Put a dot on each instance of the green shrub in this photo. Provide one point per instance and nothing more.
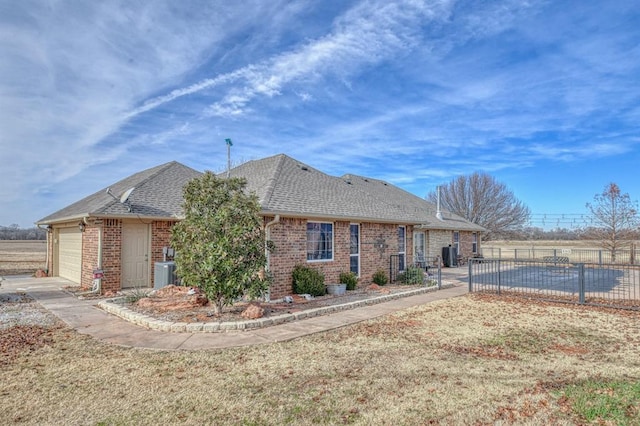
(308, 281)
(380, 277)
(411, 275)
(350, 279)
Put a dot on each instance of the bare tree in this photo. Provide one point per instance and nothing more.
(615, 218)
(14, 232)
(483, 200)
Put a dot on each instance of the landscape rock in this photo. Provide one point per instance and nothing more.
(298, 298)
(253, 311)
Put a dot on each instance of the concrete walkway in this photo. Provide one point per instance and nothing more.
(86, 318)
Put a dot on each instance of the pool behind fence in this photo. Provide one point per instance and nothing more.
(556, 279)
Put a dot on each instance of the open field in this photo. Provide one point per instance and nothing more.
(581, 251)
(467, 360)
(546, 244)
(22, 257)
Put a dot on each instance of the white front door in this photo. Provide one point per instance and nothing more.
(135, 255)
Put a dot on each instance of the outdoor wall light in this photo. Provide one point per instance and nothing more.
(81, 225)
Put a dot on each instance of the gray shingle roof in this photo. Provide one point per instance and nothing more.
(283, 185)
(158, 194)
(286, 186)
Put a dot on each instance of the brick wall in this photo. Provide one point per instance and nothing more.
(112, 251)
(290, 238)
(160, 237)
(112, 254)
(377, 243)
(466, 243)
(90, 240)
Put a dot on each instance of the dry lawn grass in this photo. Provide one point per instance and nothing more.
(468, 360)
(22, 257)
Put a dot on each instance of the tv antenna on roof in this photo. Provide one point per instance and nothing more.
(229, 145)
(124, 198)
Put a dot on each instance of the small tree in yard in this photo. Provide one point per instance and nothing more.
(220, 243)
(615, 218)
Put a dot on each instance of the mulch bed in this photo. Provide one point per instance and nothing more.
(170, 304)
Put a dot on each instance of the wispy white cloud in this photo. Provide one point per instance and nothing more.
(72, 74)
(410, 91)
(367, 34)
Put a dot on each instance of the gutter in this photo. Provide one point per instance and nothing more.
(85, 216)
(324, 217)
(96, 288)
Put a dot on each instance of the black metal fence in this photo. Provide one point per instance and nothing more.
(612, 285)
(415, 271)
(629, 257)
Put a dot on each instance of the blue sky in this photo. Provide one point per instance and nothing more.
(543, 95)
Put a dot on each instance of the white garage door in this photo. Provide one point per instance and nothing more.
(70, 254)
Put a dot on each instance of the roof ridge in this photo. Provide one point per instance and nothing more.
(384, 200)
(271, 185)
(161, 168)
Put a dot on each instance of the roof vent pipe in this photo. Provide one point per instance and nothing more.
(438, 211)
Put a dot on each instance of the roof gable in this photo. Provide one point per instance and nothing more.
(282, 184)
(157, 193)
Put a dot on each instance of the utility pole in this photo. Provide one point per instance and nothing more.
(229, 145)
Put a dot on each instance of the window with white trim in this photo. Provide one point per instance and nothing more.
(456, 241)
(319, 241)
(354, 248)
(419, 248)
(474, 243)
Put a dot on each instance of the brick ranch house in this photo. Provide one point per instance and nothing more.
(333, 224)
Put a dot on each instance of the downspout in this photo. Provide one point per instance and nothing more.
(267, 253)
(99, 280)
(96, 288)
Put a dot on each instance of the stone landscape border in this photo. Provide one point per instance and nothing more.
(113, 307)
